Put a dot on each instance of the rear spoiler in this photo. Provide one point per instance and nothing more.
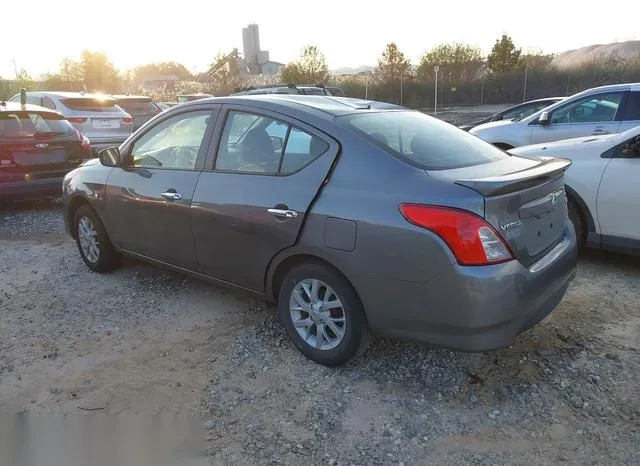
(548, 169)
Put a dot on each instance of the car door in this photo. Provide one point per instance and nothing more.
(630, 117)
(619, 198)
(148, 199)
(251, 202)
(596, 114)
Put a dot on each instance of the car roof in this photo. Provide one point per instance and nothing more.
(70, 95)
(17, 107)
(316, 104)
(131, 97)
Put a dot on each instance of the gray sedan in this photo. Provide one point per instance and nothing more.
(356, 217)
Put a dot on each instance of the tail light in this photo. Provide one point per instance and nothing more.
(77, 119)
(127, 120)
(471, 239)
(85, 144)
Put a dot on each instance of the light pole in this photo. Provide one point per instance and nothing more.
(435, 99)
(524, 93)
(400, 89)
(366, 88)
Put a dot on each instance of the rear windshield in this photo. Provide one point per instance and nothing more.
(138, 106)
(90, 104)
(423, 141)
(33, 125)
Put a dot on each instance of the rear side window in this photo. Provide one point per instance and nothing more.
(33, 125)
(258, 144)
(90, 104)
(423, 141)
(138, 106)
(632, 107)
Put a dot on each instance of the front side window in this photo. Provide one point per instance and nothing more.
(259, 144)
(592, 109)
(174, 143)
(421, 140)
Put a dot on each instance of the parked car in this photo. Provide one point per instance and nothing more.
(285, 89)
(96, 116)
(191, 97)
(602, 187)
(357, 217)
(141, 108)
(601, 110)
(37, 148)
(517, 112)
(166, 105)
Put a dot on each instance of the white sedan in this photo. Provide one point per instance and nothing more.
(603, 187)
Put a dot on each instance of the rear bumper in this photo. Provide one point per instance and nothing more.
(484, 308)
(35, 188)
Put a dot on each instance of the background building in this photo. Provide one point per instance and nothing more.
(257, 61)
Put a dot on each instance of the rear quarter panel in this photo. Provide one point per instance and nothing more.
(366, 187)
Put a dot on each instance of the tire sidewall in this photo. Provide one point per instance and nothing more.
(105, 256)
(354, 316)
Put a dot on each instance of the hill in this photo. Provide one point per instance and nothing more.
(597, 52)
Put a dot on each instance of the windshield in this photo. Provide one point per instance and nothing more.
(138, 106)
(90, 104)
(423, 141)
(33, 124)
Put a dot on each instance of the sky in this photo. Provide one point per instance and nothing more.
(349, 33)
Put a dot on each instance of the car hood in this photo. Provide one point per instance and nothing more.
(565, 145)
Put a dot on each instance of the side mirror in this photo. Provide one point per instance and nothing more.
(498, 118)
(110, 157)
(276, 142)
(544, 119)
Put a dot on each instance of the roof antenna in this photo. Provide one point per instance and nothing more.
(23, 96)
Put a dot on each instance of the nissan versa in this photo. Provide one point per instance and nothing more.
(357, 217)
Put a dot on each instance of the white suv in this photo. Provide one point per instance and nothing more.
(96, 116)
(597, 111)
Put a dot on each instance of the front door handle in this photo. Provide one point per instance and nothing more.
(600, 131)
(172, 196)
(284, 213)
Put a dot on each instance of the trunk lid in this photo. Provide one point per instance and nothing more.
(525, 201)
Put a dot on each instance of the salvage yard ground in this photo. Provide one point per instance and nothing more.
(143, 340)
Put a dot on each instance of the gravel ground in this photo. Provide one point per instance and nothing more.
(142, 340)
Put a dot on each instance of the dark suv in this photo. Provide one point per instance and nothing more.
(38, 147)
(141, 108)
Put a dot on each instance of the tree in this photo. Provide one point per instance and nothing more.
(166, 68)
(310, 68)
(99, 73)
(291, 73)
(457, 61)
(392, 66)
(71, 70)
(504, 56)
(224, 74)
(537, 61)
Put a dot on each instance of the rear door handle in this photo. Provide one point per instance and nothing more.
(172, 196)
(283, 213)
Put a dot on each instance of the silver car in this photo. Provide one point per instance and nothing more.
(96, 116)
(357, 217)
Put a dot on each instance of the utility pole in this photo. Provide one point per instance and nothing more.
(435, 100)
(401, 89)
(366, 88)
(15, 68)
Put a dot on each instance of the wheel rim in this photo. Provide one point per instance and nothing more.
(317, 314)
(88, 237)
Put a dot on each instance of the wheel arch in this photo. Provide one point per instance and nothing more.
(283, 264)
(572, 195)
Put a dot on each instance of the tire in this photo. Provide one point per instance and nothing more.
(575, 215)
(86, 220)
(348, 318)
